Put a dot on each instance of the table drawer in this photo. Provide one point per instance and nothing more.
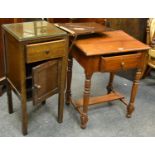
(122, 62)
(46, 50)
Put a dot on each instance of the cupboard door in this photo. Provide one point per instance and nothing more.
(45, 79)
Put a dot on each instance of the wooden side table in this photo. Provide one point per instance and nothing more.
(111, 52)
(36, 60)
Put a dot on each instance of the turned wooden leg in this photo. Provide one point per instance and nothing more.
(86, 95)
(69, 79)
(9, 95)
(146, 72)
(130, 107)
(110, 84)
(24, 114)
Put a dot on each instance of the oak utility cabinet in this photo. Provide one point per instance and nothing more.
(36, 62)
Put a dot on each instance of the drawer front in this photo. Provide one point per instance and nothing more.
(46, 50)
(123, 62)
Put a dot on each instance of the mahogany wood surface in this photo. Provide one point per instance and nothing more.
(121, 42)
(111, 52)
(122, 62)
(100, 99)
(135, 27)
(82, 28)
(76, 20)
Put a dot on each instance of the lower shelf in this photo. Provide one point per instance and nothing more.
(100, 99)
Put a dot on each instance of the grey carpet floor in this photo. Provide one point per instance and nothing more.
(104, 119)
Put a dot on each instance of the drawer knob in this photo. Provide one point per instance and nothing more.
(37, 86)
(122, 65)
(47, 52)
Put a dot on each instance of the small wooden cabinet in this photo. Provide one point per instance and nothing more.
(36, 60)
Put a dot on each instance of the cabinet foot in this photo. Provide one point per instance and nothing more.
(60, 121)
(43, 102)
(84, 120)
(130, 110)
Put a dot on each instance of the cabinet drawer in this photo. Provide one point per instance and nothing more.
(122, 62)
(46, 50)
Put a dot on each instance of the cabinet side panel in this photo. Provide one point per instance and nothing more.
(5, 21)
(14, 61)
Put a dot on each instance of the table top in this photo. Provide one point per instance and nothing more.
(33, 30)
(82, 28)
(110, 42)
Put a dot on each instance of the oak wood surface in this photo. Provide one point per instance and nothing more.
(2, 63)
(33, 30)
(44, 51)
(45, 80)
(19, 71)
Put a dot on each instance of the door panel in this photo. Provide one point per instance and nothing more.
(45, 79)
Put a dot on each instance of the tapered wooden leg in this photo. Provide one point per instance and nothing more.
(110, 84)
(130, 107)
(86, 95)
(62, 90)
(43, 102)
(24, 114)
(69, 79)
(60, 107)
(1, 90)
(9, 95)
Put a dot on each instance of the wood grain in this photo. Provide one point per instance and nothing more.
(45, 51)
(111, 42)
(28, 59)
(101, 99)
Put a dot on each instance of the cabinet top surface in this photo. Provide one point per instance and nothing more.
(110, 43)
(33, 30)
